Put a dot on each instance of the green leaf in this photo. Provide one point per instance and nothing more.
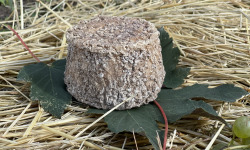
(174, 76)
(220, 146)
(138, 120)
(177, 103)
(226, 92)
(47, 85)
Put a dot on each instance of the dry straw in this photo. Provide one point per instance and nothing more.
(213, 36)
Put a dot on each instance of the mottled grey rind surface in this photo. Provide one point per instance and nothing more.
(112, 58)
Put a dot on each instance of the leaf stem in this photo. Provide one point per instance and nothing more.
(32, 54)
(166, 124)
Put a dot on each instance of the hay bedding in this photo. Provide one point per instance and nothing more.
(213, 36)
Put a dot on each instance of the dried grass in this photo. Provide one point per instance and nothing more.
(213, 36)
